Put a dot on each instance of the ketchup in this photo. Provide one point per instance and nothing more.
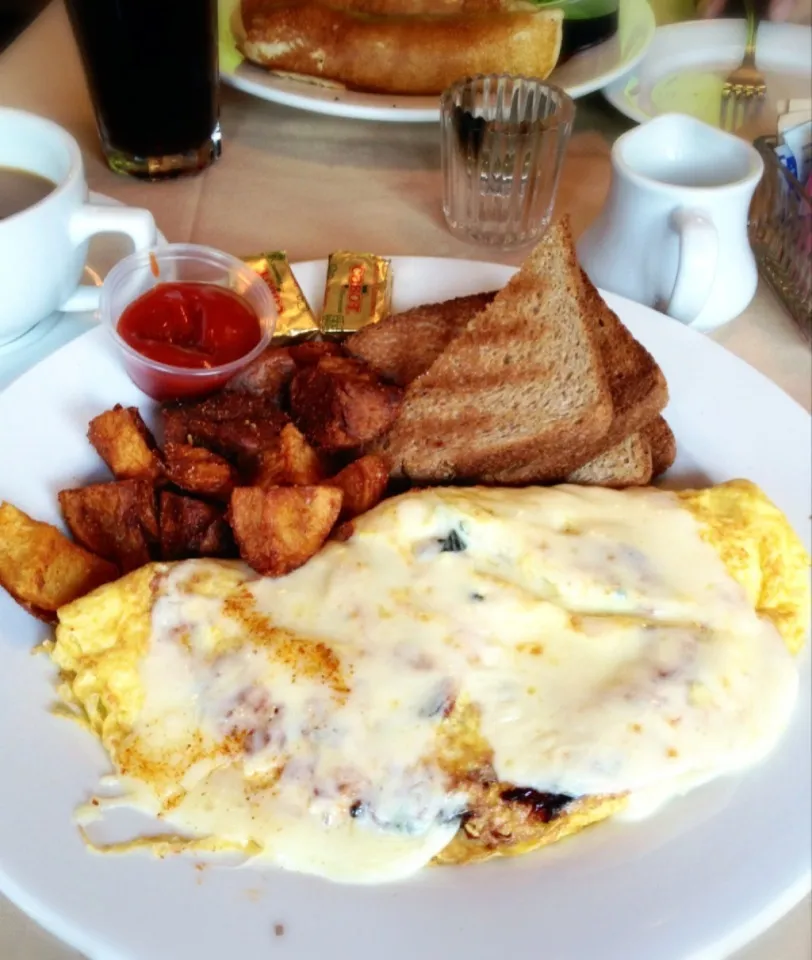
(194, 326)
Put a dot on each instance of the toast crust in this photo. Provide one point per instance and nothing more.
(663, 445)
(639, 389)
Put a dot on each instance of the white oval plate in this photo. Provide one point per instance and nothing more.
(583, 74)
(697, 880)
(685, 66)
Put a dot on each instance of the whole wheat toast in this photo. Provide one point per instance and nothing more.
(639, 389)
(626, 464)
(524, 382)
(663, 445)
(404, 345)
(639, 393)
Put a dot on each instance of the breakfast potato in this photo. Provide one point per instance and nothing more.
(41, 568)
(123, 441)
(238, 441)
(278, 530)
(225, 406)
(267, 376)
(175, 424)
(290, 462)
(237, 426)
(198, 470)
(340, 404)
(192, 528)
(311, 351)
(363, 484)
(116, 520)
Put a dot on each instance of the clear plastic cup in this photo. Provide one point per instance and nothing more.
(503, 143)
(182, 262)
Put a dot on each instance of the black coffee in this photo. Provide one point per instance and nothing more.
(20, 189)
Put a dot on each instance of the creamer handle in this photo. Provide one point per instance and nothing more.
(696, 270)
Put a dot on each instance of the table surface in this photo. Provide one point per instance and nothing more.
(311, 185)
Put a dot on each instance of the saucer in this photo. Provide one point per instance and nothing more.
(37, 332)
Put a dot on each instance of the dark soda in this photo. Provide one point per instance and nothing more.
(152, 70)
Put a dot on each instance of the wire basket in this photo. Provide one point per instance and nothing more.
(781, 235)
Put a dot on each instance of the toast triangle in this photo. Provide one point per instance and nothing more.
(523, 382)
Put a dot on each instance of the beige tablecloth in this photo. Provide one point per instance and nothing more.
(313, 184)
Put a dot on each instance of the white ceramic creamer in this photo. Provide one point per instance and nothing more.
(673, 232)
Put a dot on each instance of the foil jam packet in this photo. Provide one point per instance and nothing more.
(296, 320)
(358, 292)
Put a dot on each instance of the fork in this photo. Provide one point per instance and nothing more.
(744, 88)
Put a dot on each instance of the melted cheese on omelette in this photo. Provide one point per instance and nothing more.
(596, 642)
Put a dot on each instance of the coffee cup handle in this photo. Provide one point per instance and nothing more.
(89, 220)
(696, 270)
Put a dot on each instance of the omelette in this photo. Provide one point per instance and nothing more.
(474, 672)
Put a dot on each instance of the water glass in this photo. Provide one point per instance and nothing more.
(503, 142)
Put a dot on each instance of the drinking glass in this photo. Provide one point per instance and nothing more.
(503, 140)
(152, 70)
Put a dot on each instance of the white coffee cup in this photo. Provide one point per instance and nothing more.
(673, 231)
(43, 248)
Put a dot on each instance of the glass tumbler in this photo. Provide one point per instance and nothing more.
(152, 71)
(503, 140)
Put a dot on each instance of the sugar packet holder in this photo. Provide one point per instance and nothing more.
(780, 230)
